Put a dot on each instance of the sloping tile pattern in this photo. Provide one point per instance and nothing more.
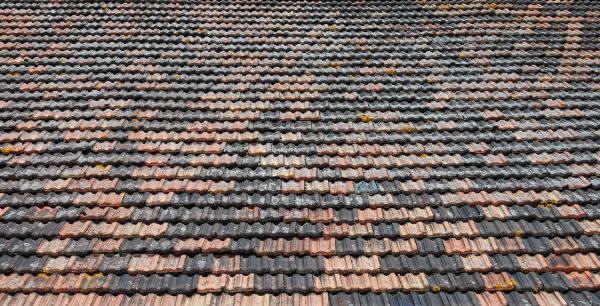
(300, 153)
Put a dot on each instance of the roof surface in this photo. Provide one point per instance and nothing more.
(300, 153)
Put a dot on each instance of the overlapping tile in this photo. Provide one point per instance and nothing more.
(300, 153)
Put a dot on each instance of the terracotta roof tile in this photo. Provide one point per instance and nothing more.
(251, 153)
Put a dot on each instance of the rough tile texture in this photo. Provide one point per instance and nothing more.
(327, 154)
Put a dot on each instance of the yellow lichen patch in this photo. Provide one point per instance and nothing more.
(436, 289)
(408, 129)
(505, 286)
(549, 202)
(135, 120)
(333, 28)
(492, 6)
(365, 118)
(312, 36)
(8, 150)
(175, 33)
(178, 76)
(200, 30)
(445, 7)
(96, 275)
(518, 233)
(546, 205)
(42, 275)
(185, 41)
(98, 87)
(390, 71)
(103, 167)
(423, 155)
(354, 76)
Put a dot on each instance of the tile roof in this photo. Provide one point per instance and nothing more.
(328, 153)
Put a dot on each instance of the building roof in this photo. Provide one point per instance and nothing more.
(300, 153)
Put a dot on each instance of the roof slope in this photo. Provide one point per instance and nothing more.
(300, 153)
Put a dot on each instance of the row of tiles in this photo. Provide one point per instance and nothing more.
(97, 116)
(208, 264)
(284, 8)
(91, 108)
(352, 67)
(403, 134)
(352, 88)
(459, 229)
(329, 113)
(44, 142)
(123, 172)
(162, 190)
(300, 201)
(334, 114)
(375, 93)
(331, 77)
(323, 246)
(309, 12)
(143, 165)
(290, 34)
(349, 216)
(296, 283)
(350, 36)
(257, 156)
(438, 55)
(555, 298)
(115, 119)
(347, 134)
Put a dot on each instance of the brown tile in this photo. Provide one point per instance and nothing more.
(216, 245)
(53, 247)
(550, 299)
(532, 263)
(414, 282)
(87, 264)
(585, 280)
(198, 186)
(75, 229)
(492, 299)
(93, 213)
(107, 246)
(212, 283)
(143, 264)
(498, 281)
(187, 246)
(57, 265)
(120, 214)
(154, 230)
(321, 246)
(476, 263)
(101, 230)
(159, 199)
(240, 283)
(171, 264)
(292, 187)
